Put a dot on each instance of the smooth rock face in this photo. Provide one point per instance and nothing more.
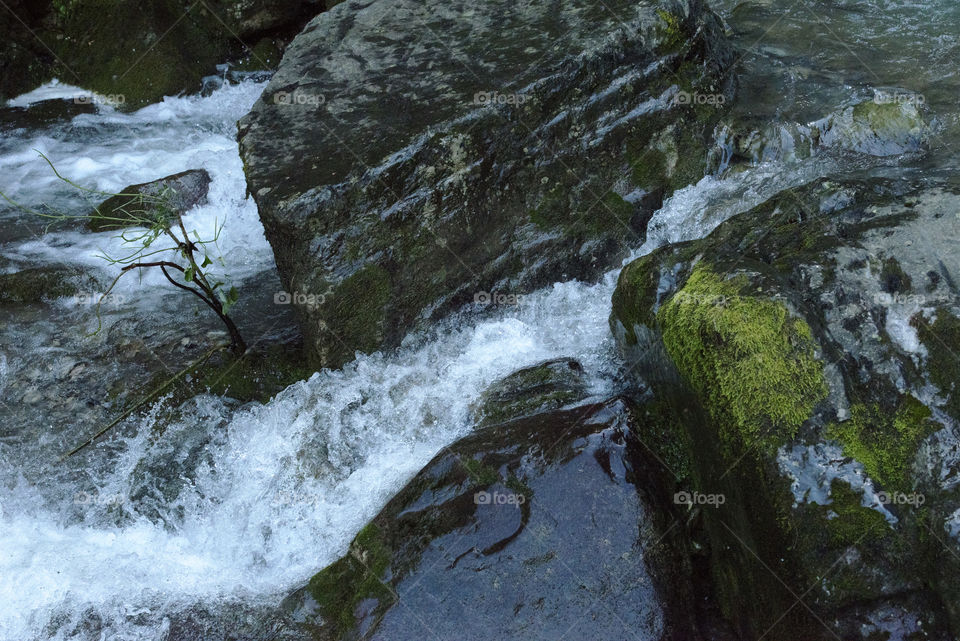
(818, 331)
(537, 529)
(176, 193)
(533, 390)
(411, 158)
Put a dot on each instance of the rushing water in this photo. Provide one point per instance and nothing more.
(242, 503)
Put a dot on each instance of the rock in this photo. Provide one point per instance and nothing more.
(43, 113)
(25, 63)
(867, 127)
(138, 51)
(532, 390)
(410, 158)
(38, 284)
(161, 199)
(541, 528)
(252, 17)
(800, 357)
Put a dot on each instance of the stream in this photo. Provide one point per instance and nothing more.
(224, 508)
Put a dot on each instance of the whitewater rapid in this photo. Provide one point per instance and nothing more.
(282, 487)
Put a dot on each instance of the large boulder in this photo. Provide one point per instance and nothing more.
(803, 358)
(409, 158)
(545, 527)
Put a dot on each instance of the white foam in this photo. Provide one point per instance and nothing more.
(294, 479)
(110, 150)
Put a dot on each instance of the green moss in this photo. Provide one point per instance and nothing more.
(942, 340)
(481, 474)
(358, 576)
(553, 211)
(265, 55)
(853, 522)
(635, 297)
(671, 31)
(141, 51)
(35, 285)
(255, 376)
(887, 117)
(356, 314)
(649, 169)
(613, 213)
(751, 362)
(885, 444)
(663, 426)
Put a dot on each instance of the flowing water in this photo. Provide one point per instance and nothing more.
(238, 504)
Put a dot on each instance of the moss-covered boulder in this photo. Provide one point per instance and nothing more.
(551, 525)
(798, 361)
(457, 184)
(160, 200)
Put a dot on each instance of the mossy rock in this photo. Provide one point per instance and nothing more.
(264, 56)
(752, 362)
(258, 375)
(157, 202)
(539, 388)
(886, 442)
(942, 341)
(138, 51)
(39, 284)
(731, 335)
(353, 317)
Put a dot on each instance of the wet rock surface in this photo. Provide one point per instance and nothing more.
(401, 173)
(43, 113)
(812, 331)
(543, 527)
(161, 199)
(532, 390)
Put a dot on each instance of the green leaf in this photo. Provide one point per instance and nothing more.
(206, 261)
(188, 274)
(229, 299)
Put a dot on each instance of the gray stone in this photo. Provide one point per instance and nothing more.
(410, 158)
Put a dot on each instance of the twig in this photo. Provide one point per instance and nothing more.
(170, 381)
